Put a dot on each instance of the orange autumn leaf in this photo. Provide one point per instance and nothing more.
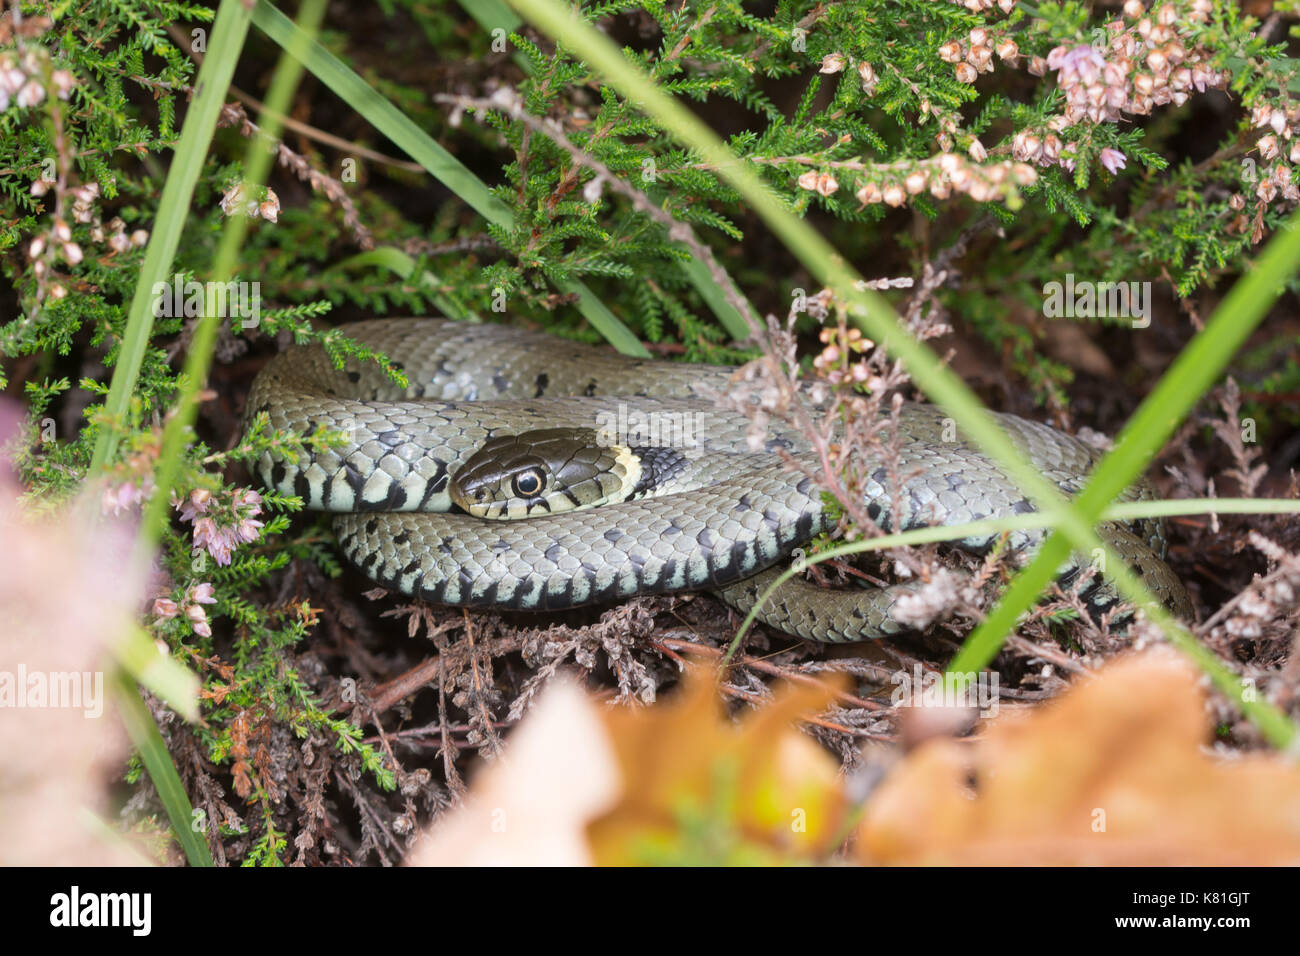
(698, 787)
(1112, 773)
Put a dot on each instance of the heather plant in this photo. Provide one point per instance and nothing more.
(973, 153)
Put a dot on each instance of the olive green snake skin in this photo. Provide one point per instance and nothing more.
(726, 526)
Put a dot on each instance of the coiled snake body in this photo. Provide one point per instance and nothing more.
(710, 513)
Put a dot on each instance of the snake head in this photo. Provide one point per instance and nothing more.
(543, 471)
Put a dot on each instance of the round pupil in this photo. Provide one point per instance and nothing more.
(528, 483)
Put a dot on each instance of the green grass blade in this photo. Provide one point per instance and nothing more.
(716, 299)
(386, 257)
(228, 33)
(171, 681)
(257, 164)
(603, 320)
(495, 15)
(491, 14)
(804, 242)
(195, 140)
(384, 116)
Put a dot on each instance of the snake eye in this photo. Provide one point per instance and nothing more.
(527, 484)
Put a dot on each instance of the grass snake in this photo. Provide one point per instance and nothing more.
(707, 512)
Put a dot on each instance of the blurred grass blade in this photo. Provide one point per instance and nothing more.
(563, 25)
(142, 730)
(442, 165)
(257, 165)
(174, 684)
(178, 428)
(228, 33)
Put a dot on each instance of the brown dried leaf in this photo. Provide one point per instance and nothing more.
(1112, 773)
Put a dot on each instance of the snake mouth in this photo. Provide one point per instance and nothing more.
(480, 500)
(469, 502)
(544, 471)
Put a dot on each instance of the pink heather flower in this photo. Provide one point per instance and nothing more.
(1113, 160)
(198, 620)
(247, 531)
(248, 504)
(216, 540)
(196, 504)
(165, 607)
(218, 527)
(30, 95)
(1081, 63)
(201, 594)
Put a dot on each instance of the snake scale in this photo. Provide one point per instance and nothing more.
(713, 514)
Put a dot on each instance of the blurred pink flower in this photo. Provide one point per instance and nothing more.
(1081, 63)
(199, 620)
(165, 607)
(69, 590)
(1113, 160)
(124, 497)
